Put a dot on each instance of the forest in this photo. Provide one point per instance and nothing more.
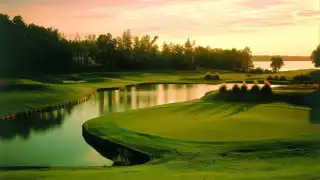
(31, 50)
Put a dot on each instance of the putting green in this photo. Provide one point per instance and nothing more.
(216, 121)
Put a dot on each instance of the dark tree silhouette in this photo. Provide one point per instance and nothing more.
(276, 63)
(29, 50)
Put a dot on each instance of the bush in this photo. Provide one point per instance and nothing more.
(255, 88)
(277, 78)
(223, 88)
(236, 88)
(270, 78)
(303, 78)
(257, 70)
(244, 87)
(217, 76)
(267, 71)
(207, 76)
(210, 76)
(283, 78)
(266, 89)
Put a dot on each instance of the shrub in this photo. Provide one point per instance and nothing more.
(270, 78)
(283, 78)
(257, 70)
(217, 76)
(255, 88)
(223, 88)
(207, 76)
(303, 78)
(267, 71)
(244, 87)
(276, 78)
(210, 76)
(236, 88)
(266, 89)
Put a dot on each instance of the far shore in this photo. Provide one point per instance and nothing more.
(285, 58)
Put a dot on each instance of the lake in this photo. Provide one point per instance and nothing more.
(55, 138)
(288, 65)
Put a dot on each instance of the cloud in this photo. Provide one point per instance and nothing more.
(270, 21)
(259, 4)
(308, 13)
(180, 18)
(97, 13)
(307, 16)
(89, 4)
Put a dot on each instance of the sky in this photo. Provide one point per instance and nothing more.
(268, 27)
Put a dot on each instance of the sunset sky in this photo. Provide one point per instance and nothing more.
(268, 27)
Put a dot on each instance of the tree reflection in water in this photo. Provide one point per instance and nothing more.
(38, 122)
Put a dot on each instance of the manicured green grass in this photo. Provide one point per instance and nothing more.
(218, 121)
(283, 168)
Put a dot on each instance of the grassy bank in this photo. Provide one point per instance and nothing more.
(36, 95)
(207, 139)
(44, 91)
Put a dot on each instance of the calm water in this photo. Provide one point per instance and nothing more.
(55, 138)
(288, 65)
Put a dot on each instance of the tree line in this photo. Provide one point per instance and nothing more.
(140, 53)
(29, 49)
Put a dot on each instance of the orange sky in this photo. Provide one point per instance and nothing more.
(273, 27)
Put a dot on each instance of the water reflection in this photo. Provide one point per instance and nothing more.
(24, 126)
(147, 95)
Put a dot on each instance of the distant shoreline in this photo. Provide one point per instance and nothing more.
(285, 58)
